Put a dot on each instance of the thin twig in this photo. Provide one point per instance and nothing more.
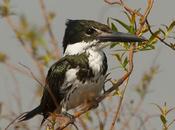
(48, 25)
(119, 106)
(27, 49)
(147, 118)
(17, 95)
(34, 77)
(16, 68)
(126, 7)
(144, 17)
(83, 124)
(160, 39)
(127, 121)
(13, 121)
(171, 123)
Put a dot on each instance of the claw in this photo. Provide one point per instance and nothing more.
(71, 117)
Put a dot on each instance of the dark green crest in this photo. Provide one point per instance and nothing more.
(82, 30)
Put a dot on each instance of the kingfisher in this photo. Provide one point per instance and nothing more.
(79, 76)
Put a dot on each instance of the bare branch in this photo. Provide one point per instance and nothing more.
(33, 76)
(162, 40)
(144, 17)
(119, 106)
(48, 25)
(126, 7)
(27, 49)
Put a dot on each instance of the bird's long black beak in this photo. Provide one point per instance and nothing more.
(119, 37)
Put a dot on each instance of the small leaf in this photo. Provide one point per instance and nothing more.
(122, 24)
(118, 57)
(165, 26)
(46, 59)
(51, 15)
(113, 44)
(88, 116)
(3, 57)
(125, 62)
(128, 15)
(171, 26)
(153, 37)
(151, 46)
(23, 22)
(108, 23)
(145, 29)
(113, 27)
(165, 109)
(118, 93)
(5, 9)
(132, 29)
(133, 19)
(161, 30)
(161, 110)
(163, 119)
(41, 41)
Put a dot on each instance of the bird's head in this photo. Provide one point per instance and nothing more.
(88, 33)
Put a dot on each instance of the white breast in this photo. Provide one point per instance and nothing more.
(95, 60)
(83, 92)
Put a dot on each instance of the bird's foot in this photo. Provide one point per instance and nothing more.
(94, 104)
(71, 117)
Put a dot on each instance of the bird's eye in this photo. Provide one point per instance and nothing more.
(90, 31)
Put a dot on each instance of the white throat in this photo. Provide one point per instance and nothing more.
(95, 54)
(80, 47)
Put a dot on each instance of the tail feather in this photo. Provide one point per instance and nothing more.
(30, 114)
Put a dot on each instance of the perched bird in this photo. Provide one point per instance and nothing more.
(79, 76)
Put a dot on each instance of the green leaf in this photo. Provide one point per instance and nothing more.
(145, 29)
(163, 119)
(41, 41)
(161, 110)
(132, 29)
(171, 26)
(118, 93)
(125, 63)
(151, 46)
(133, 19)
(165, 26)
(3, 57)
(23, 22)
(122, 24)
(161, 30)
(118, 57)
(153, 37)
(113, 27)
(128, 15)
(114, 44)
(88, 116)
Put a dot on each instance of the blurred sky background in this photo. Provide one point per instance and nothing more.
(162, 87)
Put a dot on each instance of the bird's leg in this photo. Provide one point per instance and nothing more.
(66, 114)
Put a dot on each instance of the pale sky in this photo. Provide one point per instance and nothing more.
(162, 87)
